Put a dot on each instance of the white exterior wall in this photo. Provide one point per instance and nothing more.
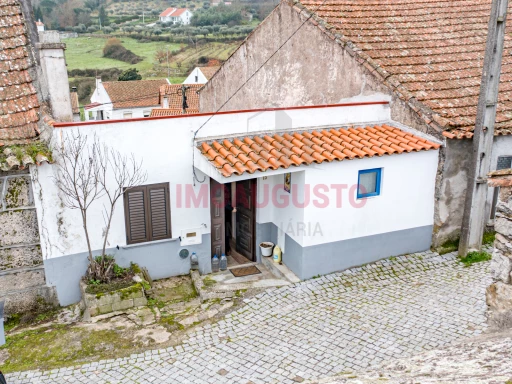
(61, 230)
(167, 157)
(191, 79)
(406, 199)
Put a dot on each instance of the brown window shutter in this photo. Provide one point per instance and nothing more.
(160, 218)
(136, 215)
(147, 213)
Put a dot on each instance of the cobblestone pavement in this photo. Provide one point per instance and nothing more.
(337, 323)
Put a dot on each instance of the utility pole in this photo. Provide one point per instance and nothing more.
(184, 98)
(168, 69)
(474, 220)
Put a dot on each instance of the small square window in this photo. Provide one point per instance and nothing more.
(368, 183)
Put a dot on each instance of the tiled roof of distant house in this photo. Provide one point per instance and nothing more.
(173, 12)
(159, 112)
(208, 72)
(174, 94)
(429, 52)
(132, 94)
(261, 153)
(19, 105)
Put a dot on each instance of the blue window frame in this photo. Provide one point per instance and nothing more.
(368, 183)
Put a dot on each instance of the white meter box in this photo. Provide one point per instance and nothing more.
(191, 236)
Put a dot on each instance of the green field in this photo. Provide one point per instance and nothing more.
(87, 53)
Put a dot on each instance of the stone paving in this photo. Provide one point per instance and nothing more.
(337, 323)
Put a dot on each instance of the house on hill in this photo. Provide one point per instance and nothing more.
(176, 16)
(123, 99)
(201, 75)
(425, 58)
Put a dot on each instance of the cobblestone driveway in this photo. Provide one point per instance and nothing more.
(337, 323)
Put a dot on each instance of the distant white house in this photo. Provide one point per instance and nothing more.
(176, 16)
(201, 75)
(40, 26)
(123, 99)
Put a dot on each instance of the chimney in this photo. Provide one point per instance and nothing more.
(53, 64)
(166, 102)
(98, 81)
(73, 89)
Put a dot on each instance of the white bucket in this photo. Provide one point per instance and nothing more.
(266, 248)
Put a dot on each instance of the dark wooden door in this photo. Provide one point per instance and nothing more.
(245, 218)
(217, 214)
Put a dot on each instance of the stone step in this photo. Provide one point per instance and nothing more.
(28, 299)
(21, 278)
(20, 256)
(279, 270)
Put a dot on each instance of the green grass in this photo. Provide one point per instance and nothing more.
(87, 52)
(62, 346)
(488, 238)
(475, 257)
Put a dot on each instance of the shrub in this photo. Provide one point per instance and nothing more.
(129, 75)
(115, 50)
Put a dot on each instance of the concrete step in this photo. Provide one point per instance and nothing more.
(28, 299)
(279, 270)
(21, 278)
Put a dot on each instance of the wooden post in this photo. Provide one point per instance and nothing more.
(473, 223)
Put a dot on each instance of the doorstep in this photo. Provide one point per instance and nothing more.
(279, 270)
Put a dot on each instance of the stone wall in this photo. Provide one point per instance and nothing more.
(22, 274)
(499, 294)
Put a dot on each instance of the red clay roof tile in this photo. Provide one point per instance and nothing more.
(430, 50)
(133, 94)
(19, 106)
(241, 155)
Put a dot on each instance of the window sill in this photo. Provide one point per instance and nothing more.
(149, 243)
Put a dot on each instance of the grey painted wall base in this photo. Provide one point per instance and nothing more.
(322, 259)
(161, 258)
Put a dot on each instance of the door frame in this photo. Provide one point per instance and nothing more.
(215, 218)
(254, 187)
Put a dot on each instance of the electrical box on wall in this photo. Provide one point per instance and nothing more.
(191, 236)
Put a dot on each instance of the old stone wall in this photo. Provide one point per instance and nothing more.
(22, 276)
(499, 294)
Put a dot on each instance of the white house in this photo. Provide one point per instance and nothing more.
(201, 75)
(40, 26)
(176, 16)
(334, 186)
(123, 99)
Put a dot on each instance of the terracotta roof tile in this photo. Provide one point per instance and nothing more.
(208, 72)
(158, 112)
(132, 94)
(261, 153)
(430, 50)
(173, 93)
(19, 106)
(173, 12)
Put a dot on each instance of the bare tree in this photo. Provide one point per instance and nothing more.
(118, 174)
(78, 177)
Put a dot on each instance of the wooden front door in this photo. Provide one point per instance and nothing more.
(245, 218)
(217, 214)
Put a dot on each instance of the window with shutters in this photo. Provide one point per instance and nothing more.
(147, 213)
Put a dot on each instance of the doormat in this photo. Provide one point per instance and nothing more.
(245, 271)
